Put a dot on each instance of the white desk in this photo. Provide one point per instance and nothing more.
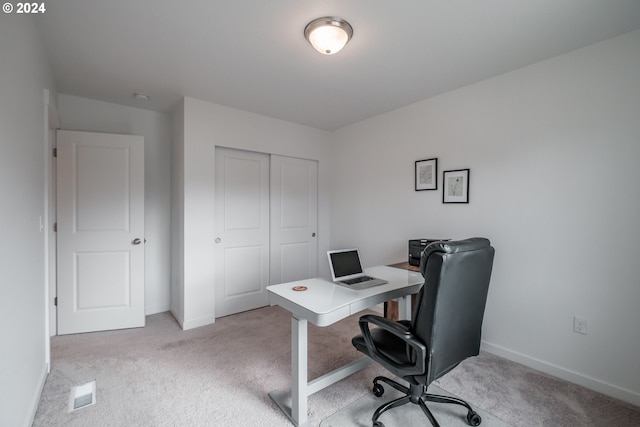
(322, 304)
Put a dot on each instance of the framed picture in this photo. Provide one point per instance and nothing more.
(456, 186)
(426, 174)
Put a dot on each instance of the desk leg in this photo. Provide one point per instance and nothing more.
(294, 403)
(299, 362)
(404, 308)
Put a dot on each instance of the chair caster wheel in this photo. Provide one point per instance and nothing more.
(473, 418)
(378, 424)
(378, 391)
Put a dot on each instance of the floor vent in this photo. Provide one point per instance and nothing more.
(82, 396)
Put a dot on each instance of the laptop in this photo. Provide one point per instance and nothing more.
(346, 270)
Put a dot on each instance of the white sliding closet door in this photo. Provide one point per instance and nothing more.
(242, 230)
(266, 225)
(294, 219)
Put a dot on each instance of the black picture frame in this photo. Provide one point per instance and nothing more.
(426, 174)
(455, 186)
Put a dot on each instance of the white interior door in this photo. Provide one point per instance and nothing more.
(242, 230)
(100, 237)
(294, 219)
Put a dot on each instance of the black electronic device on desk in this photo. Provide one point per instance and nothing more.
(416, 246)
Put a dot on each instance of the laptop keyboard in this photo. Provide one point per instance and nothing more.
(357, 280)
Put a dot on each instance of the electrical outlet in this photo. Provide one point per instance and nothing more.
(579, 325)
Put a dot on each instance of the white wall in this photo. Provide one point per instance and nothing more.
(24, 75)
(177, 213)
(553, 150)
(205, 126)
(98, 116)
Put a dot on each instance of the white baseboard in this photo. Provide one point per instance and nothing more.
(603, 387)
(33, 404)
(178, 318)
(196, 323)
(156, 309)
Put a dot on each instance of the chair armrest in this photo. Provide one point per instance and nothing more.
(419, 350)
(392, 326)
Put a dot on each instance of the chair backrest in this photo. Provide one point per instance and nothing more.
(450, 308)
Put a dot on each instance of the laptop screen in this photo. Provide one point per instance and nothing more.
(344, 263)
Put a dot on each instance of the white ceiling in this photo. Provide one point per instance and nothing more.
(251, 54)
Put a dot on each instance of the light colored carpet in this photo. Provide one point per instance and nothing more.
(220, 375)
(359, 413)
(216, 375)
(525, 397)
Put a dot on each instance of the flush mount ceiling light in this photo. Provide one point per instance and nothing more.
(141, 96)
(328, 35)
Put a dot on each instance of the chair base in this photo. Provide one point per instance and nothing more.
(418, 394)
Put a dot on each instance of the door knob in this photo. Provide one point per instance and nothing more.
(218, 240)
(313, 234)
(136, 241)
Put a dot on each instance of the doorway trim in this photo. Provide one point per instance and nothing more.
(51, 123)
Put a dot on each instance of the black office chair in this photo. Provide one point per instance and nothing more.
(445, 330)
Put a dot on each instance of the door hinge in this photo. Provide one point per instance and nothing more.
(55, 301)
(55, 152)
(55, 227)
